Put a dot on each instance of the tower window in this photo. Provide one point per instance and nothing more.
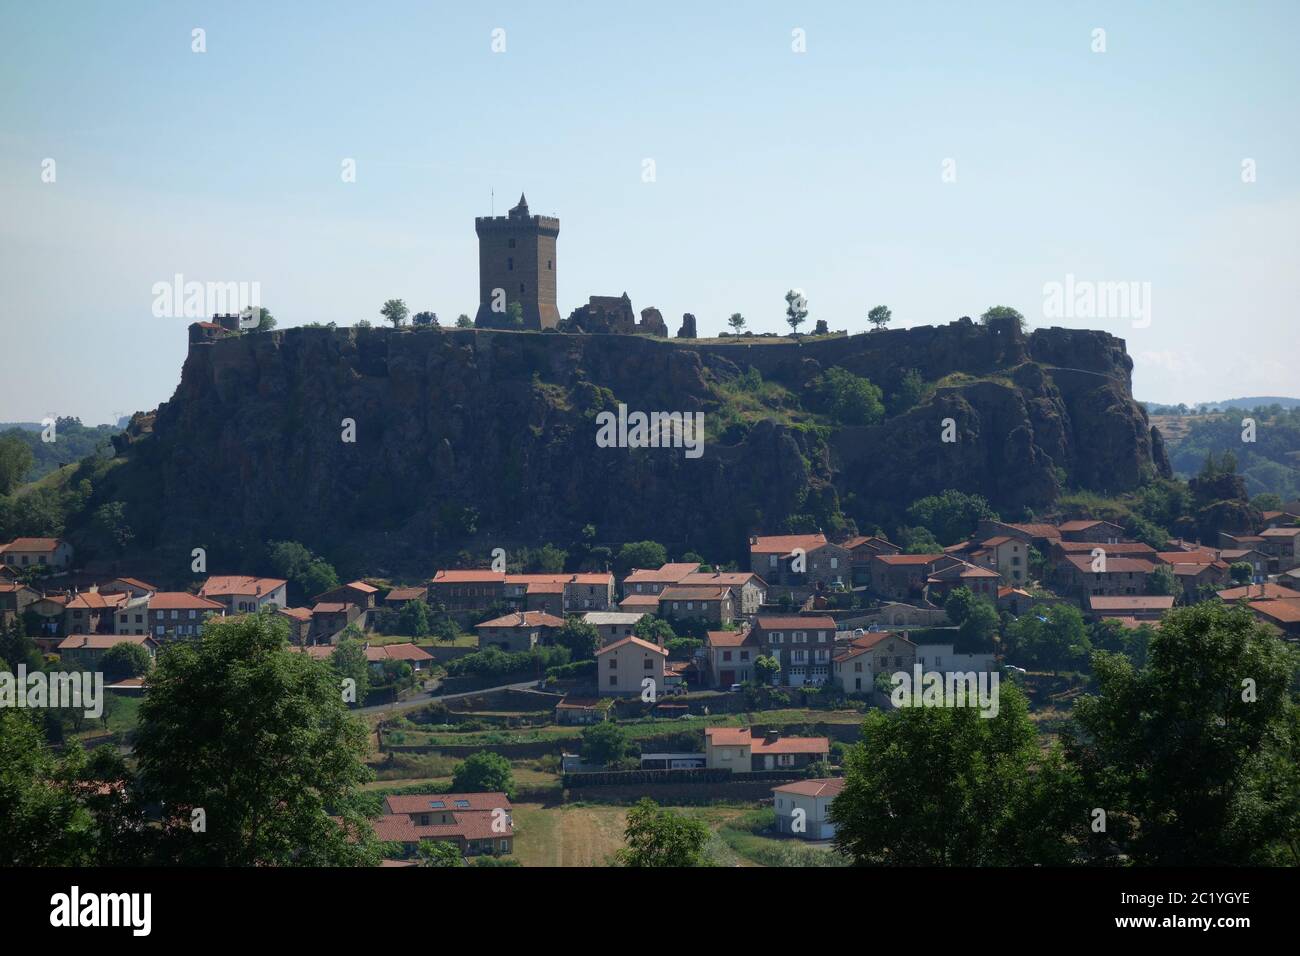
(511, 243)
(521, 288)
(548, 264)
(510, 264)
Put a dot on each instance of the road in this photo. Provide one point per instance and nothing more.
(420, 700)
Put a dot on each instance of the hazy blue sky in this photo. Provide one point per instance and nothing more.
(774, 169)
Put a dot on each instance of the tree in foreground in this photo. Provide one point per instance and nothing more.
(943, 786)
(250, 750)
(1196, 757)
(880, 316)
(660, 837)
(439, 853)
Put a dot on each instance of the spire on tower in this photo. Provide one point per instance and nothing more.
(522, 208)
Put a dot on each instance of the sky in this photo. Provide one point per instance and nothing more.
(938, 158)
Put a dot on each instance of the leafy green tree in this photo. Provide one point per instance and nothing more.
(425, 319)
(579, 637)
(604, 743)
(463, 321)
(943, 786)
(655, 630)
(1241, 572)
(641, 554)
(42, 823)
(661, 837)
(1002, 312)
(395, 311)
(908, 393)
(879, 316)
(1162, 580)
(110, 527)
(413, 619)
(952, 515)
(439, 853)
(847, 398)
(16, 461)
(1052, 637)
(918, 540)
(766, 668)
(125, 660)
(1196, 755)
(737, 322)
(957, 604)
(348, 660)
(796, 310)
(311, 574)
(975, 636)
(258, 738)
(483, 772)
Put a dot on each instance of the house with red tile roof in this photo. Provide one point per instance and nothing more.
(86, 650)
(400, 597)
(1085, 575)
(622, 668)
(245, 594)
(640, 603)
(1283, 614)
(1142, 607)
(467, 590)
(654, 580)
(856, 663)
(37, 552)
(1282, 545)
(901, 577)
(801, 644)
(1007, 555)
(1259, 592)
(731, 656)
(862, 549)
(90, 612)
(746, 749)
(712, 604)
(518, 630)
(802, 562)
(748, 589)
(15, 598)
(803, 807)
(477, 823)
(330, 618)
(1107, 532)
(299, 619)
(380, 654)
(980, 581)
(179, 615)
(360, 593)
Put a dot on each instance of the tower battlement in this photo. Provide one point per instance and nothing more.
(517, 266)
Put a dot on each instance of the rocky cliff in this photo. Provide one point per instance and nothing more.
(474, 438)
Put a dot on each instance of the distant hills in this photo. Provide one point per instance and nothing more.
(1258, 401)
(73, 442)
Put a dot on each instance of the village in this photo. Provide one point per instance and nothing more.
(733, 692)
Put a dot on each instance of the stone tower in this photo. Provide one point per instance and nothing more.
(516, 255)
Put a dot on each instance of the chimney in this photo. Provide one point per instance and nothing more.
(523, 618)
(771, 736)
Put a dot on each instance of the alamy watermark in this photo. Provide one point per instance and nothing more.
(946, 689)
(1086, 299)
(62, 689)
(651, 430)
(179, 299)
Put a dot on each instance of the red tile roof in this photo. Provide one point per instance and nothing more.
(1113, 565)
(182, 601)
(97, 642)
(406, 594)
(239, 584)
(906, 559)
(819, 787)
(667, 574)
(1258, 591)
(1285, 612)
(786, 543)
(734, 579)
(644, 645)
(686, 593)
(94, 601)
(524, 619)
(331, 607)
(731, 638)
(424, 802)
(397, 652)
(812, 622)
(1125, 602)
(475, 576)
(35, 545)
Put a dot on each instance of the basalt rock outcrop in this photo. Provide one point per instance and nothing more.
(473, 438)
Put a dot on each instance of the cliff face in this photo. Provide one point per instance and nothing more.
(477, 438)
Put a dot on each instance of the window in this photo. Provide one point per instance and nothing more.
(613, 680)
(510, 264)
(549, 267)
(649, 664)
(613, 663)
(511, 243)
(726, 655)
(521, 288)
